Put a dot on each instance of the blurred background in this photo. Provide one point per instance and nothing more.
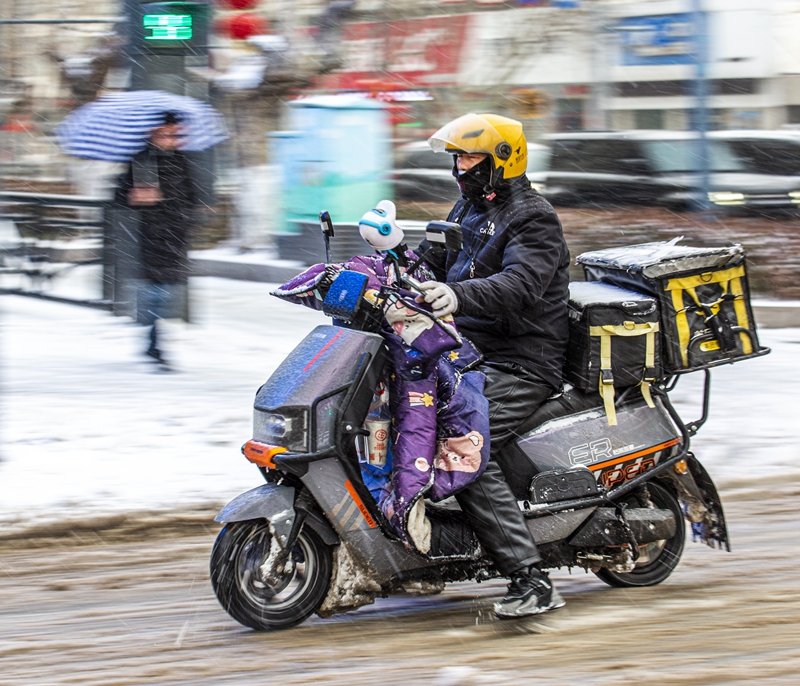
(645, 120)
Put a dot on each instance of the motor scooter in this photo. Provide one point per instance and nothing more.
(611, 499)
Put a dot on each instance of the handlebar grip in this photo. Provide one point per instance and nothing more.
(412, 282)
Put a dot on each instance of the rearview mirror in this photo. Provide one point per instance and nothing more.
(446, 234)
(326, 224)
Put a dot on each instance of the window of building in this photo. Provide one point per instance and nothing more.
(743, 119)
(734, 87)
(649, 119)
(653, 89)
(715, 119)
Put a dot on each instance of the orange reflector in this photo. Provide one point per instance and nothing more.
(261, 453)
(681, 467)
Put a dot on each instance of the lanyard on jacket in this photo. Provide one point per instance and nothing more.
(473, 255)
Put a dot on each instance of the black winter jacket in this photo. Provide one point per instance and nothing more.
(511, 279)
(164, 228)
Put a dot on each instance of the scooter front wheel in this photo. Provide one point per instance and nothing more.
(288, 597)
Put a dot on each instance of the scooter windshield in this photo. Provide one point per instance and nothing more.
(328, 358)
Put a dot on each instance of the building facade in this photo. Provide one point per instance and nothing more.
(557, 64)
(588, 64)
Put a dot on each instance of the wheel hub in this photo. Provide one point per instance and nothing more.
(280, 586)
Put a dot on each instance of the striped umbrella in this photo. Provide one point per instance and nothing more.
(116, 126)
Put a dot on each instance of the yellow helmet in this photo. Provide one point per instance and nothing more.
(500, 137)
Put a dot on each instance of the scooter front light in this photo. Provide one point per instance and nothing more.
(277, 424)
(287, 427)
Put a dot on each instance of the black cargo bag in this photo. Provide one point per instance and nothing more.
(704, 298)
(613, 341)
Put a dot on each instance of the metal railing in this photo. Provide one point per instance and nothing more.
(40, 217)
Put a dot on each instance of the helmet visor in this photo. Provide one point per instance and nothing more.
(470, 133)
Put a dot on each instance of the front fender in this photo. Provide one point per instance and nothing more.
(272, 502)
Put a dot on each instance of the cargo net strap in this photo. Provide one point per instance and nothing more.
(730, 282)
(606, 333)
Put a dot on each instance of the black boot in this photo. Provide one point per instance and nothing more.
(530, 593)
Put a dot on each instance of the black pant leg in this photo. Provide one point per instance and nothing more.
(494, 516)
(489, 504)
(513, 397)
(153, 337)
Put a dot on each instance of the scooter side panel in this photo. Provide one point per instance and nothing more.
(344, 508)
(586, 439)
(555, 527)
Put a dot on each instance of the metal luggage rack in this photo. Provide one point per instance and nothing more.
(758, 351)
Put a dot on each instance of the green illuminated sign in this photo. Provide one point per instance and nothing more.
(167, 26)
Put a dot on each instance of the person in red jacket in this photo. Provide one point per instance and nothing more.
(507, 289)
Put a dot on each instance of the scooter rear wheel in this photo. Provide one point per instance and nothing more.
(657, 560)
(289, 598)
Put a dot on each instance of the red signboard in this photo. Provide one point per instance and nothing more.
(412, 53)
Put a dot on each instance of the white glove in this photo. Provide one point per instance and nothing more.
(440, 296)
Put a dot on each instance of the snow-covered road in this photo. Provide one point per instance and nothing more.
(89, 427)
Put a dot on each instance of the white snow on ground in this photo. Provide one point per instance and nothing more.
(88, 426)
(753, 431)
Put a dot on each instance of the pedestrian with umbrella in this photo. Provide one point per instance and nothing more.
(151, 131)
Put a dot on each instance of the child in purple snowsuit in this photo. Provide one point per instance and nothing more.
(440, 418)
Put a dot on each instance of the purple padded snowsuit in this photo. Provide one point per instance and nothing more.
(440, 418)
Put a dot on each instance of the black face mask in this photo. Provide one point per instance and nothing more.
(476, 182)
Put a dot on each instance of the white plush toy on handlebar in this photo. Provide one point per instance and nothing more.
(379, 228)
